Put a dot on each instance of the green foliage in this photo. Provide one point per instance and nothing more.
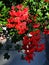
(0, 29)
(3, 13)
(1, 4)
(38, 7)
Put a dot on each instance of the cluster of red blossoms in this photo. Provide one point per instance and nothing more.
(18, 18)
(46, 31)
(31, 45)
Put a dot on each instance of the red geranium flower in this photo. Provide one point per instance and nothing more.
(36, 25)
(10, 25)
(12, 13)
(29, 57)
(12, 7)
(22, 28)
(41, 47)
(10, 20)
(17, 20)
(46, 31)
(29, 21)
(35, 32)
(18, 13)
(25, 40)
(19, 6)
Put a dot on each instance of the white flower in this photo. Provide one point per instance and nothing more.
(29, 35)
(27, 46)
(3, 40)
(23, 51)
(27, 50)
(4, 28)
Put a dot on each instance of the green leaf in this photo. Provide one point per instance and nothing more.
(1, 4)
(39, 12)
(47, 9)
(47, 27)
(11, 33)
(4, 23)
(38, 19)
(0, 29)
(0, 22)
(42, 1)
(31, 0)
(4, 8)
(47, 15)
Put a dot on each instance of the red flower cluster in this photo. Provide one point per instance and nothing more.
(36, 25)
(46, 31)
(31, 45)
(18, 19)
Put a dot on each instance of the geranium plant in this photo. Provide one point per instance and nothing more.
(25, 22)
